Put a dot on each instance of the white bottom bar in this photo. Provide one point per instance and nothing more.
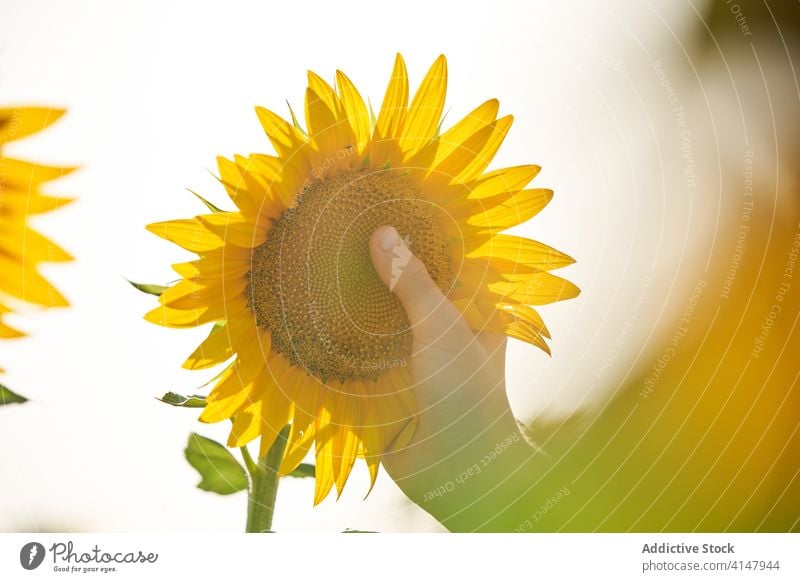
(403, 557)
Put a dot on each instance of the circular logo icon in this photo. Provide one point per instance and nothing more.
(31, 555)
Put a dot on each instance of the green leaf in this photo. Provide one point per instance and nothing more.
(208, 204)
(221, 473)
(190, 401)
(148, 288)
(9, 397)
(303, 470)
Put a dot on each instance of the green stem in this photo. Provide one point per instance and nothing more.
(264, 487)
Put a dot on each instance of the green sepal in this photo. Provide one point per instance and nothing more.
(296, 123)
(191, 401)
(304, 470)
(149, 288)
(9, 397)
(212, 207)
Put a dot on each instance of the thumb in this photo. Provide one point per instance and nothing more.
(430, 313)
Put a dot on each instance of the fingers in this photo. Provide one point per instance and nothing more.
(432, 316)
(403, 273)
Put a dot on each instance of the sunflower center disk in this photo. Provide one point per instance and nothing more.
(313, 284)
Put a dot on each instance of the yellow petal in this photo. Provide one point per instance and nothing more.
(280, 384)
(426, 108)
(523, 332)
(268, 196)
(393, 405)
(515, 320)
(241, 384)
(189, 233)
(393, 110)
(485, 155)
(231, 391)
(297, 448)
(213, 350)
(372, 436)
(19, 122)
(181, 318)
(345, 418)
(537, 289)
(523, 250)
(187, 294)
(28, 175)
(25, 204)
(324, 448)
(326, 93)
(355, 109)
(302, 432)
(234, 229)
(280, 178)
(229, 262)
(527, 314)
(520, 207)
(463, 155)
(8, 332)
(286, 139)
(18, 240)
(246, 424)
(478, 118)
(322, 124)
(502, 181)
(172, 317)
(22, 281)
(232, 176)
(498, 313)
(253, 356)
(324, 469)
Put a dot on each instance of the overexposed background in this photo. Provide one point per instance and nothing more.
(156, 90)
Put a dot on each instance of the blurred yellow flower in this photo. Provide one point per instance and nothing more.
(21, 247)
(705, 437)
(319, 342)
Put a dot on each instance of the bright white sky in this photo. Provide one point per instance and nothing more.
(156, 90)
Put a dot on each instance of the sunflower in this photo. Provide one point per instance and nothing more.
(21, 247)
(311, 336)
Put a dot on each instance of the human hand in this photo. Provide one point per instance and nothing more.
(459, 386)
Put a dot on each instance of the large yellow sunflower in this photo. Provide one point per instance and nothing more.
(316, 340)
(21, 247)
